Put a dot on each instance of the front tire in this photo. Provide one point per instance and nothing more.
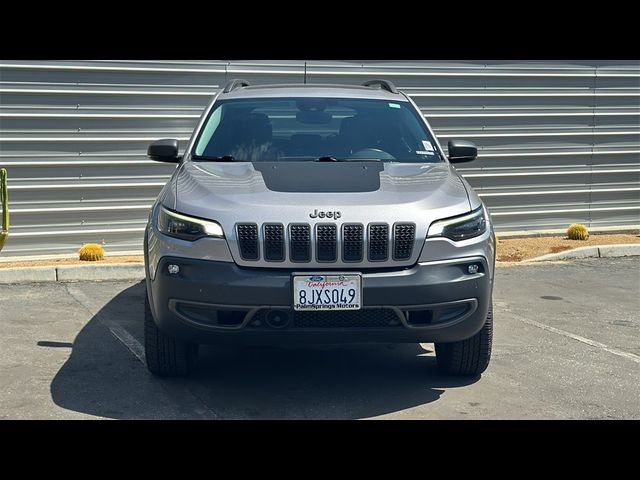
(470, 356)
(166, 356)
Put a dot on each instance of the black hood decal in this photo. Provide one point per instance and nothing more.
(321, 177)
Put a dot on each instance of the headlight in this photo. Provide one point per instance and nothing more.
(460, 228)
(187, 228)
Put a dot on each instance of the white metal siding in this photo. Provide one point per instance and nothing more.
(559, 141)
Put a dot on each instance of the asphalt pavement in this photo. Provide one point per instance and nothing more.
(567, 345)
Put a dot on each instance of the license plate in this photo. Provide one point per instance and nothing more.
(327, 292)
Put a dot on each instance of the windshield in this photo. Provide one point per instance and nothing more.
(312, 129)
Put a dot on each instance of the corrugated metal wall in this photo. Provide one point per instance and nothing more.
(559, 141)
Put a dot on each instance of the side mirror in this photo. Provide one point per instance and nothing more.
(462, 151)
(165, 150)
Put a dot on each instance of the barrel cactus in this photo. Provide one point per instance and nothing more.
(4, 199)
(577, 231)
(91, 252)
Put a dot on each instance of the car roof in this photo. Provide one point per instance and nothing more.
(312, 90)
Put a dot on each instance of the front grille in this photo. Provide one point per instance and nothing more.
(352, 242)
(248, 241)
(404, 235)
(326, 242)
(365, 318)
(274, 242)
(300, 242)
(378, 242)
(326, 238)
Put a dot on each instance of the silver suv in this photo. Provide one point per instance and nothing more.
(317, 213)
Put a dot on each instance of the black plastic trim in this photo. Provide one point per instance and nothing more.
(293, 259)
(334, 258)
(383, 84)
(386, 255)
(234, 84)
(265, 249)
(257, 241)
(394, 242)
(362, 243)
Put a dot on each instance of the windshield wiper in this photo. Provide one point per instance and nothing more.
(224, 158)
(334, 159)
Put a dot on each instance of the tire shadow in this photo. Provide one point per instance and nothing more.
(102, 378)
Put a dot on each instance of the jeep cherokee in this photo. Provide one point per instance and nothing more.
(317, 213)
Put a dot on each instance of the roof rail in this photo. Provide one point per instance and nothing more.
(235, 83)
(383, 84)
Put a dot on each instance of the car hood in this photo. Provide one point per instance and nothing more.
(295, 192)
(206, 188)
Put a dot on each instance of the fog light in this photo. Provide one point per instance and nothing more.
(473, 268)
(173, 269)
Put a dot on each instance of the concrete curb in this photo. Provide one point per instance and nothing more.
(114, 271)
(73, 273)
(27, 275)
(599, 251)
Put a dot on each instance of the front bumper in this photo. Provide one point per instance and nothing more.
(212, 301)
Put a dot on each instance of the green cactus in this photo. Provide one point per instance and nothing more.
(4, 198)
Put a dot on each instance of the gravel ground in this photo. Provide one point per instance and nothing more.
(72, 261)
(518, 249)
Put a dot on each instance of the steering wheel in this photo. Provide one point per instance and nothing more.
(372, 153)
